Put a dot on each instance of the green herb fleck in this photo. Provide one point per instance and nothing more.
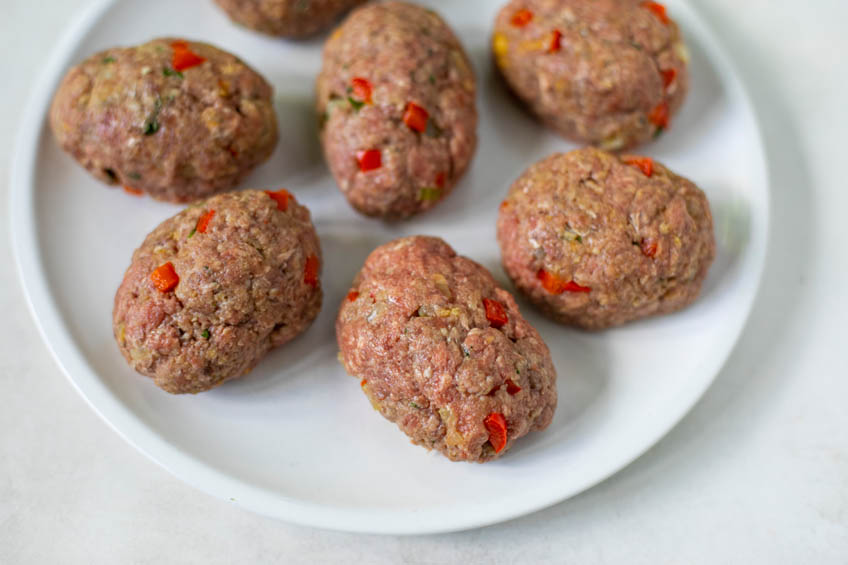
(414, 405)
(465, 351)
(433, 130)
(429, 194)
(191, 233)
(579, 239)
(171, 73)
(355, 103)
(517, 371)
(659, 132)
(432, 79)
(134, 175)
(107, 60)
(151, 126)
(205, 334)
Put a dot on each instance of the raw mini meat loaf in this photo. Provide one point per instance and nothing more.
(286, 18)
(179, 120)
(610, 73)
(441, 350)
(396, 97)
(596, 240)
(214, 288)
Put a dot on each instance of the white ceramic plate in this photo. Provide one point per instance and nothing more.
(297, 439)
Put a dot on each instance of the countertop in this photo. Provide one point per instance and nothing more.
(756, 473)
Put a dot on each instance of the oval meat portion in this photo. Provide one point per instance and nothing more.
(286, 18)
(610, 73)
(178, 120)
(214, 288)
(396, 97)
(596, 240)
(441, 350)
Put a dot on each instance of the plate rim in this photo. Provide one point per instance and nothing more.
(30, 268)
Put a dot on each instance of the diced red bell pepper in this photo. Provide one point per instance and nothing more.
(369, 160)
(165, 278)
(495, 313)
(281, 197)
(184, 58)
(495, 424)
(416, 117)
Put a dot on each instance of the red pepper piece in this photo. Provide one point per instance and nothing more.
(644, 164)
(658, 10)
(668, 76)
(204, 220)
(352, 295)
(495, 424)
(440, 180)
(659, 115)
(310, 271)
(416, 117)
(362, 89)
(556, 285)
(165, 278)
(556, 41)
(495, 313)
(281, 197)
(512, 388)
(649, 248)
(363, 382)
(572, 286)
(369, 160)
(521, 18)
(133, 191)
(184, 58)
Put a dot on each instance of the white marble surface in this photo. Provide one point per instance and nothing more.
(757, 473)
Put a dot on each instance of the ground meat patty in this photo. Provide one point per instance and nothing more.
(178, 120)
(596, 240)
(606, 72)
(396, 96)
(243, 279)
(443, 352)
(287, 18)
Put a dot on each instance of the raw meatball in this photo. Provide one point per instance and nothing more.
(596, 240)
(607, 72)
(442, 351)
(178, 120)
(214, 288)
(287, 18)
(396, 96)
